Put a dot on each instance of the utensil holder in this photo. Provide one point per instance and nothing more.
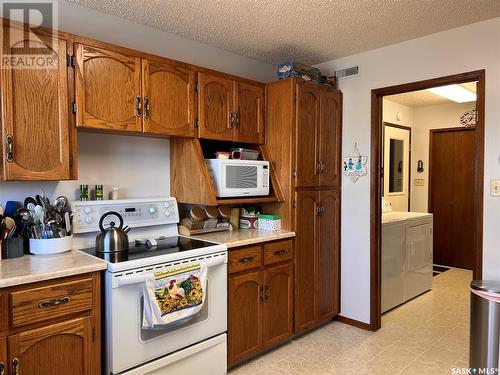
(51, 245)
(14, 247)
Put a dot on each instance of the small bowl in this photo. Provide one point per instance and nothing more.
(51, 245)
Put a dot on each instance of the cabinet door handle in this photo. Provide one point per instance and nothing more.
(138, 106)
(54, 302)
(245, 260)
(2, 368)
(231, 120)
(318, 208)
(317, 167)
(146, 107)
(15, 366)
(266, 293)
(279, 252)
(321, 167)
(236, 120)
(261, 294)
(10, 149)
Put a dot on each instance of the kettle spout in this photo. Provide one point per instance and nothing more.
(126, 229)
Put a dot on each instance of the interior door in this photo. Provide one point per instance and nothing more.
(168, 98)
(327, 257)
(330, 137)
(308, 119)
(305, 247)
(34, 110)
(35, 352)
(451, 195)
(397, 167)
(278, 306)
(246, 297)
(215, 107)
(108, 90)
(249, 121)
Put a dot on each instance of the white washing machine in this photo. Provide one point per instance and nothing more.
(406, 256)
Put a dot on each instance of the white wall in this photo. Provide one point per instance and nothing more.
(138, 165)
(425, 119)
(454, 51)
(390, 111)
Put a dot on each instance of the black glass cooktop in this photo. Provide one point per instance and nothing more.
(164, 245)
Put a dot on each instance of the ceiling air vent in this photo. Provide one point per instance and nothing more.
(347, 72)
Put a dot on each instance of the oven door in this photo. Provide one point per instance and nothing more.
(128, 345)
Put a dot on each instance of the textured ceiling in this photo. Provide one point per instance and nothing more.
(310, 31)
(423, 98)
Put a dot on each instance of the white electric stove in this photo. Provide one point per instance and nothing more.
(198, 345)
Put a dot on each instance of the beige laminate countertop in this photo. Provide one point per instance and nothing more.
(244, 237)
(33, 268)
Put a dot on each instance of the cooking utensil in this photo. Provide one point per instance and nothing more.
(29, 200)
(61, 204)
(10, 208)
(112, 239)
(67, 223)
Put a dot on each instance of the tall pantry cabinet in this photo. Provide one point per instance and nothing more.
(303, 135)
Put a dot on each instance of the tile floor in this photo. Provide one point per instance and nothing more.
(428, 335)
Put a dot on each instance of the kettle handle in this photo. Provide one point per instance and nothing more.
(108, 214)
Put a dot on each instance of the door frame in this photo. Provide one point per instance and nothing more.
(384, 124)
(376, 181)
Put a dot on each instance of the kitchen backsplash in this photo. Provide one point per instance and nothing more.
(139, 166)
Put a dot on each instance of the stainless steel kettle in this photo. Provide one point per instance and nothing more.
(112, 239)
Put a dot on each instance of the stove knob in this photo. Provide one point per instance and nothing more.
(152, 210)
(87, 210)
(167, 213)
(88, 219)
(167, 205)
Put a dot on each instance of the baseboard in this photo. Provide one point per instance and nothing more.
(353, 322)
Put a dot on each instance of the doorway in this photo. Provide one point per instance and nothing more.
(377, 184)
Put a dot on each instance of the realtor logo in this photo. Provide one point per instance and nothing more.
(28, 41)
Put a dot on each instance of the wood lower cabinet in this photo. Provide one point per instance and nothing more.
(34, 111)
(317, 257)
(65, 340)
(260, 300)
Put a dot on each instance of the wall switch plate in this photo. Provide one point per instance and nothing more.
(495, 188)
(418, 182)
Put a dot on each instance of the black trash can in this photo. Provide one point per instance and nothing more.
(484, 326)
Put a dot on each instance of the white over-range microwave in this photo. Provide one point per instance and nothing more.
(239, 178)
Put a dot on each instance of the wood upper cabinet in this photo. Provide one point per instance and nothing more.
(249, 113)
(318, 136)
(278, 306)
(305, 247)
(108, 90)
(4, 363)
(245, 316)
(168, 98)
(308, 119)
(330, 138)
(34, 108)
(215, 107)
(59, 349)
(327, 256)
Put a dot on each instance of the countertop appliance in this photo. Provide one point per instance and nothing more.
(239, 178)
(406, 256)
(196, 345)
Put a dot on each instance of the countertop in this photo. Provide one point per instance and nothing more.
(244, 237)
(33, 268)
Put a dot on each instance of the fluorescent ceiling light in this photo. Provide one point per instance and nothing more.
(455, 93)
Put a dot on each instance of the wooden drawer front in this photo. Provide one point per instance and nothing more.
(245, 259)
(278, 251)
(52, 301)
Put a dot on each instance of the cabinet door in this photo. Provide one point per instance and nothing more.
(278, 306)
(168, 103)
(35, 112)
(327, 256)
(246, 297)
(330, 137)
(59, 349)
(249, 120)
(3, 356)
(305, 245)
(108, 90)
(306, 138)
(215, 106)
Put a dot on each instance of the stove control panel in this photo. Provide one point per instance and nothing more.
(135, 213)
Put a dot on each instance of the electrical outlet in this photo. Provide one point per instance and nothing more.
(495, 188)
(418, 182)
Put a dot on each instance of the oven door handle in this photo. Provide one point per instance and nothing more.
(143, 277)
